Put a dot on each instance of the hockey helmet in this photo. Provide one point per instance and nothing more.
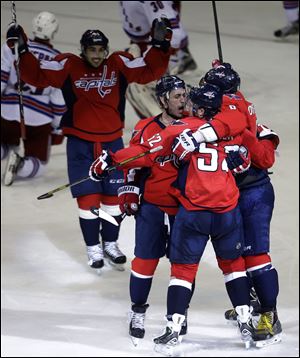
(209, 97)
(44, 25)
(92, 38)
(167, 84)
(225, 77)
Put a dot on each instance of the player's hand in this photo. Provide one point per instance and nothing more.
(97, 170)
(263, 132)
(184, 144)
(238, 161)
(129, 199)
(161, 33)
(15, 33)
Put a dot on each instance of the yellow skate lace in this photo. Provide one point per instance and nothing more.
(265, 323)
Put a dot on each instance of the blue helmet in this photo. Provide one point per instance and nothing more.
(167, 84)
(209, 97)
(224, 77)
(92, 38)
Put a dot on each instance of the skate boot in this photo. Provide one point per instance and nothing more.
(184, 325)
(231, 315)
(268, 330)
(95, 256)
(167, 342)
(14, 162)
(245, 325)
(136, 324)
(115, 256)
(290, 29)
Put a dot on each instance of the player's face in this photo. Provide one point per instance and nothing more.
(176, 102)
(95, 55)
(188, 110)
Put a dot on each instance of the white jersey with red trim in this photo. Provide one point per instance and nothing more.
(41, 105)
(137, 18)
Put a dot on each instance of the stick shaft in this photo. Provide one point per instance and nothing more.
(109, 169)
(217, 32)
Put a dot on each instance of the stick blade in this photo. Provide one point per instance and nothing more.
(44, 196)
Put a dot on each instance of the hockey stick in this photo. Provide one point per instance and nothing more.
(217, 32)
(109, 169)
(20, 92)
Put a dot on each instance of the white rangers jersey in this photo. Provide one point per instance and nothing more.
(137, 18)
(41, 105)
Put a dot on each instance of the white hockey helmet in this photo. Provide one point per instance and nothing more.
(44, 25)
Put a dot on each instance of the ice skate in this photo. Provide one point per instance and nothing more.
(290, 29)
(268, 330)
(168, 342)
(231, 315)
(14, 162)
(95, 256)
(184, 326)
(137, 323)
(114, 255)
(245, 325)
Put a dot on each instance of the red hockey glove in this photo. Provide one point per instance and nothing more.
(97, 169)
(161, 33)
(184, 145)
(264, 132)
(15, 33)
(238, 161)
(129, 199)
(56, 136)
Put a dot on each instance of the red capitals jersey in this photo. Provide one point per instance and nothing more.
(95, 97)
(205, 182)
(162, 174)
(247, 108)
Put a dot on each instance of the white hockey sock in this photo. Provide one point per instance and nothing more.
(292, 15)
(31, 167)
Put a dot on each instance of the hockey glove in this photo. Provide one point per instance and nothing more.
(129, 199)
(97, 170)
(238, 161)
(57, 136)
(184, 145)
(15, 33)
(264, 132)
(161, 33)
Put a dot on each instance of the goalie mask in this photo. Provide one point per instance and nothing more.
(44, 26)
(224, 77)
(208, 97)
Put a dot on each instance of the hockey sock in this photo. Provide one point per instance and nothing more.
(90, 228)
(31, 167)
(267, 288)
(139, 289)
(178, 299)
(4, 150)
(238, 291)
(109, 232)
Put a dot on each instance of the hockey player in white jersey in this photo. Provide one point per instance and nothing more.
(43, 108)
(137, 17)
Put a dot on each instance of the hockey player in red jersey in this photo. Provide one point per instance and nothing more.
(43, 108)
(256, 204)
(94, 86)
(155, 211)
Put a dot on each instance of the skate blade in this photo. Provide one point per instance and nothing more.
(135, 341)
(268, 342)
(118, 267)
(169, 350)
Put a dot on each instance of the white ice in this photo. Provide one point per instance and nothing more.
(53, 304)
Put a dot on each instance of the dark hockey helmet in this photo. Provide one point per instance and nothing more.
(92, 38)
(209, 97)
(167, 84)
(224, 77)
